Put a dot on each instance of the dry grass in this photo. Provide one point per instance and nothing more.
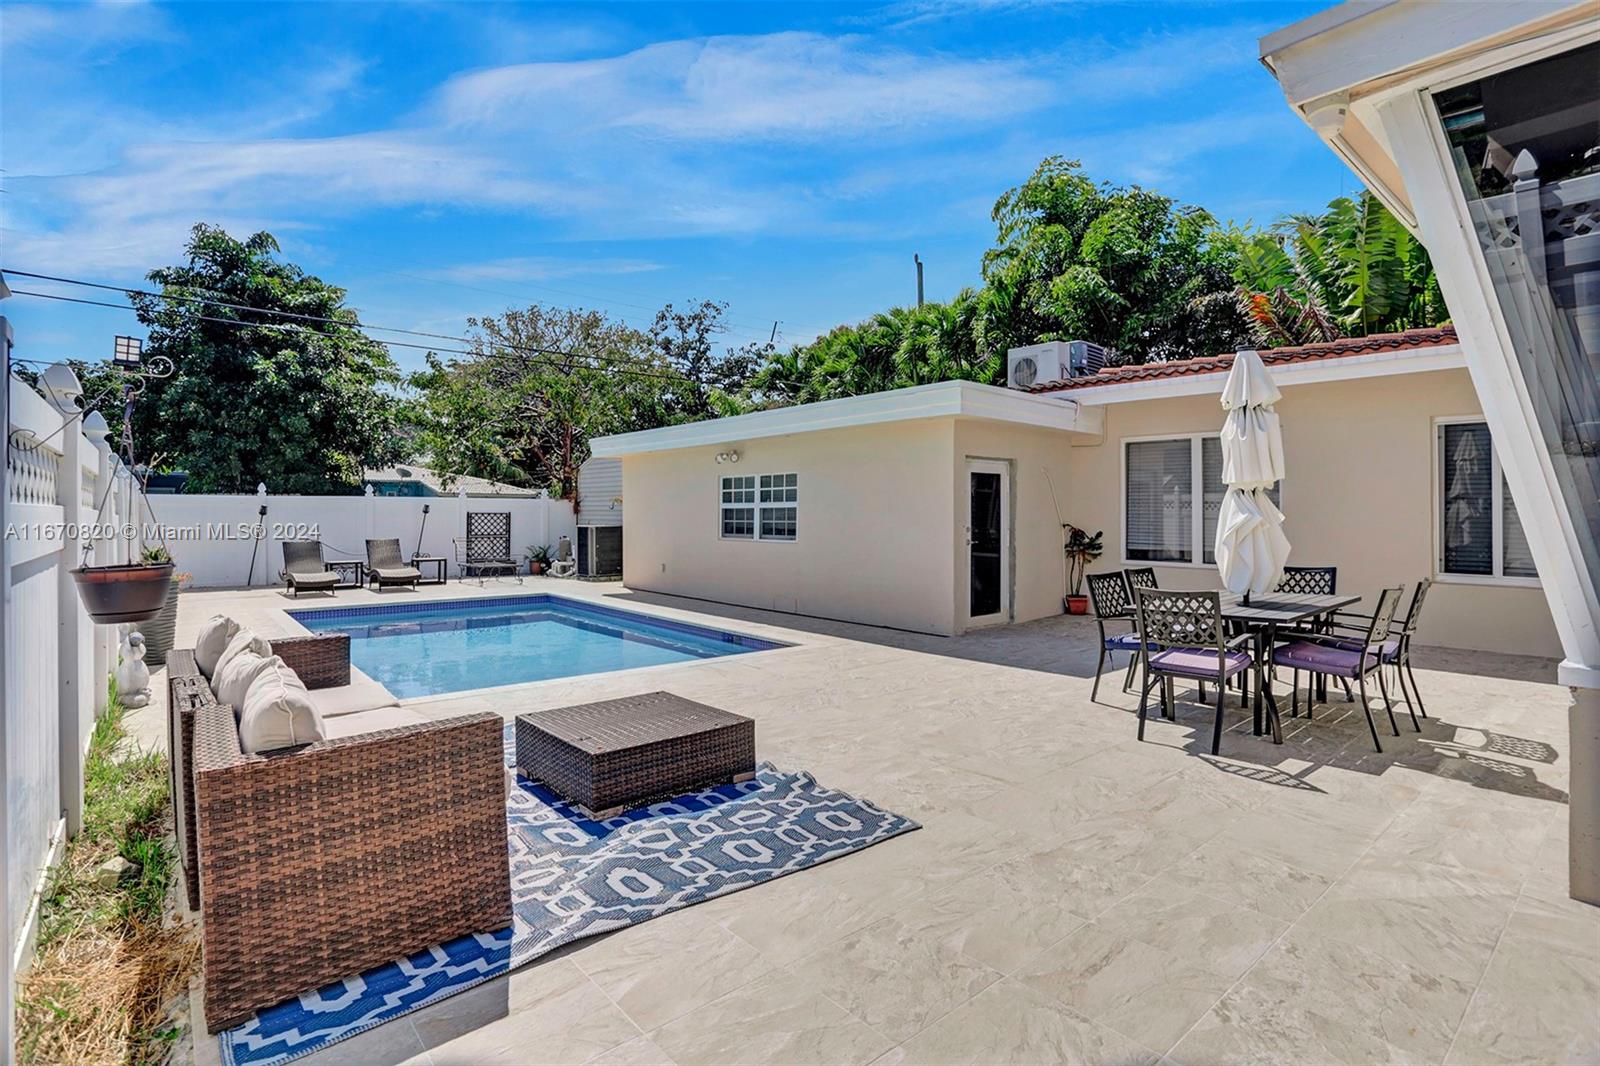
(108, 967)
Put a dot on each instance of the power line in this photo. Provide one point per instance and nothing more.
(548, 354)
(298, 316)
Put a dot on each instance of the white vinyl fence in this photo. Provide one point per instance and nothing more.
(55, 661)
(225, 541)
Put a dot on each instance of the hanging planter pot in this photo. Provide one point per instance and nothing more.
(131, 592)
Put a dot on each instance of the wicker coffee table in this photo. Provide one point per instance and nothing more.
(609, 756)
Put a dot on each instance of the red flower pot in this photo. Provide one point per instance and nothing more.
(1077, 604)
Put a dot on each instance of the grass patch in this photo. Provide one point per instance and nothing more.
(107, 965)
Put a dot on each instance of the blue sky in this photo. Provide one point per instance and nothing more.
(447, 160)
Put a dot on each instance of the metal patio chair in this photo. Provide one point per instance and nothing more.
(1318, 654)
(1113, 602)
(1347, 625)
(1182, 635)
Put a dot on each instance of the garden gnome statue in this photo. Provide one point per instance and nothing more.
(133, 676)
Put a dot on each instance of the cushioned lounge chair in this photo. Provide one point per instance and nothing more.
(304, 568)
(385, 566)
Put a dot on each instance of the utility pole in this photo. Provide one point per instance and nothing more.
(918, 260)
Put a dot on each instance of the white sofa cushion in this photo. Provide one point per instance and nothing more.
(244, 640)
(370, 721)
(278, 713)
(212, 642)
(361, 694)
(236, 676)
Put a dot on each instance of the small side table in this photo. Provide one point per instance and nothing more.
(352, 572)
(435, 561)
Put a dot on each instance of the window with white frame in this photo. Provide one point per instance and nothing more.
(760, 507)
(1479, 532)
(739, 507)
(1162, 479)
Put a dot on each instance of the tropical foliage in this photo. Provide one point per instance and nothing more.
(1125, 267)
(539, 383)
(300, 399)
(1350, 271)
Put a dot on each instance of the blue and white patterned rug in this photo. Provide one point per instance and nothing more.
(572, 877)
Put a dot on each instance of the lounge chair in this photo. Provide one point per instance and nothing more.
(563, 565)
(386, 566)
(304, 568)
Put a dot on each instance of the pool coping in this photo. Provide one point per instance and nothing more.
(751, 644)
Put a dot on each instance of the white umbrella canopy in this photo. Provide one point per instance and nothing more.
(1251, 548)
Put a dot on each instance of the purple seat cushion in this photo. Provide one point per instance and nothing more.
(1123, 642)
(1391, 647)
(1198, 662)
(1322, 658)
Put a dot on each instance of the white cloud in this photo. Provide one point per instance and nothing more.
(538, 268)
(782, 85)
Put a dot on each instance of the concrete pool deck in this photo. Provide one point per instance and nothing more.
(1075, 895)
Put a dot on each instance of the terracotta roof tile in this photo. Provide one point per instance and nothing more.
(1410, 340)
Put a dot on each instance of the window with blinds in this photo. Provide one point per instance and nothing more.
(1480, 534)
(1159, 495)
(1162, 480)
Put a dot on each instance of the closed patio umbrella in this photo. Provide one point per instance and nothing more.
(1250, 547)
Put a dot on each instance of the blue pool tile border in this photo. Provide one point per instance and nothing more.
(336, 614)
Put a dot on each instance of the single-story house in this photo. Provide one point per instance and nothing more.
(939, 508)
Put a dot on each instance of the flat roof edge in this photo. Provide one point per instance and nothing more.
(945, 399)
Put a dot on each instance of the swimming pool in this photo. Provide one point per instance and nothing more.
(427, 649)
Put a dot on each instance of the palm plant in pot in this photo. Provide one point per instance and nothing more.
(1082, 548)
(538, 558)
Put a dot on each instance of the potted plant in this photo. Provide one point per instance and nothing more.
(159, 631)
(538, 558)
(1081, 548)
(126, 592)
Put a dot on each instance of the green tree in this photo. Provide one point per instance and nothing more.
(1121, 266)
(301, 403)
(538, 385)
(707, 383)
(1350, 271)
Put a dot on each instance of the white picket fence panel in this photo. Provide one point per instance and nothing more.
(222, 541)
(56, 661)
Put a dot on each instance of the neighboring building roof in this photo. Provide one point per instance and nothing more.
(1413, 351)
(430, 483)
(945, 399)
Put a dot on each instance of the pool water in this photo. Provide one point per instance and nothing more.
(426, 649)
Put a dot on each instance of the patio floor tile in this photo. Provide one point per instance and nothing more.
(1148, 994)
(1312, 999)
(550, 1006)
(666, 968)
(1011, 1023)
(895, 979)
(777, 1018)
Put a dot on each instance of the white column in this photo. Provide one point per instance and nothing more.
(60, 387)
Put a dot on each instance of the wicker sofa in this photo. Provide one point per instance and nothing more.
(313, 863)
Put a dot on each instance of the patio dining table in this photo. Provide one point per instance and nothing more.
(1263, 615)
